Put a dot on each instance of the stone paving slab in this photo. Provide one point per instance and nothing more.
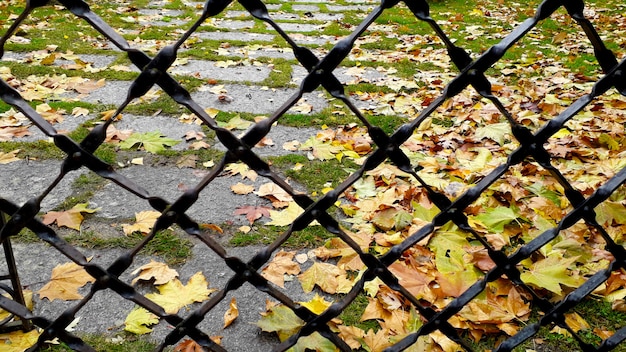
(216, 203)
(229, 24)
(296, 27)
(239, 36)
(96, 61)
(26, 179)
(254, 99)
(208, 69)
(346, 75)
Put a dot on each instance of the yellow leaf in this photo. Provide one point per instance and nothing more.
(71, 218)
(323, 275)
(18, 341)
(174, 295)
(317, 305)
(138, 321)
(160, 272)
(285, 217)
(9, 157)
(231, 314)
(65, 281)
(144, 222)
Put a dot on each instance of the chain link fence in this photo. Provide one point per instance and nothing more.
(472, 75)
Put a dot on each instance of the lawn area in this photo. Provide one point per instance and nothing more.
(441, 198)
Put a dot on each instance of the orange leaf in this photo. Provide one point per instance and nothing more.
(279, 266)
(188, 346)
(231, 314)
(155, 270)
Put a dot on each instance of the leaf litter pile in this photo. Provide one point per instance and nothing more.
(462, 142)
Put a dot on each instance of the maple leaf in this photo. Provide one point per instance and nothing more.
(153, 142)
(376, 341)
(188, 160)
(8, 133)
(236, 123)
(9, 157)
(71, 218)
(78, 111)
(282, 320)
(317, 304)
(253, 213)
(285, 217)
(550, 273)
(281, 264)
(174, 295)
(188, 345)
(231, 314)
(18, 341)
(324, 275)
(114, 135)
(160, 272)
(144, 222)
(138, 321)
(494, 131)
(495, 219)
(241, 188)
(65, 281)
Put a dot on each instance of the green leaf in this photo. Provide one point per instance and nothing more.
(495, 219)
(550, 273)
(282, 320)
(152, 142)
(540, 191)
(365, 187)
(314, 342)
(494, 131)
(236, 123)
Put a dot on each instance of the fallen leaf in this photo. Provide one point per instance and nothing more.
(153, 142)
(174, 295)
(9, 157)
(187, 161)
(231, 314)
(241, 188)
(188, 345)
(65, 281)
(160, 272)
(71, 218)
(253, 213)
(281, 264)
(78, 111)
(138, 321)
(280, 319)
(144, 221)
(18, 341)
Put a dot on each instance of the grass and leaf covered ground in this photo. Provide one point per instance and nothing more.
(397, 68)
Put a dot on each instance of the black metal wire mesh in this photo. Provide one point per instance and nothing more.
(320, 73)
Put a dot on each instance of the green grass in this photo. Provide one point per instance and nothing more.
(106, 344)
(166, 244)
(310, 237)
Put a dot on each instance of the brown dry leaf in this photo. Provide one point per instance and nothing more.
(115, 136)
(241, 188)
(8, 133)
(78, 111)
(270, 189)
(160, 272)
(65, 281)
(324, 275)
(253, 213)
(9, 157)
(188, 345)
(197, 135)
(376, 341)
(71, 218)
(144, 222)
(187, 161)
(231, 314)
(199, 145)
(279, 266)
